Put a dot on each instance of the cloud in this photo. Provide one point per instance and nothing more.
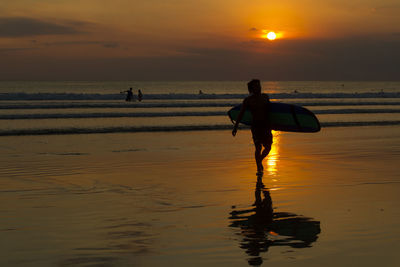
(367, 58)
(71, 43)
(36, 45)
(15, 27)
(15, 49)
(386, 10)
(111, 45)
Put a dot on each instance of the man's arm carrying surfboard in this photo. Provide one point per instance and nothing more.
(240, 116)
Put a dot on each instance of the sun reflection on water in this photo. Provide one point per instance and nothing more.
(272, 159)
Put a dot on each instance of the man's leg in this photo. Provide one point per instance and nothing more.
(258, 157)
(267, 145)
(267, 149)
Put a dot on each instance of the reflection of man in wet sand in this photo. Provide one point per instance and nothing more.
(253, 223)
(262, 228)
(258, 104)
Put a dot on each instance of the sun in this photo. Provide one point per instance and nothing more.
(271, 36)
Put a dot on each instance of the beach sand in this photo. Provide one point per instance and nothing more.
(192, 198)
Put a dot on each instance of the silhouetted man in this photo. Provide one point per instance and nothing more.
(258, 104)
(129, 95)
(140, 95)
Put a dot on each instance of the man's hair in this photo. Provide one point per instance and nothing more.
(254, 86)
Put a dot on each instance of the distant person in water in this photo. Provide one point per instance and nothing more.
(258, 104)
(140, 95)
(129, 94)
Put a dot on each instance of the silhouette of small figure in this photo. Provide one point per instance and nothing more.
(140, 95)
(129, 95)
(258, 104)
(200, 92)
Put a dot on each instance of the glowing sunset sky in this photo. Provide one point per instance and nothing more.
(199, 39)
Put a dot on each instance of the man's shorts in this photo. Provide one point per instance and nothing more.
(261, 134)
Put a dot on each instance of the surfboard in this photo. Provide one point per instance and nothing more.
(283, 117)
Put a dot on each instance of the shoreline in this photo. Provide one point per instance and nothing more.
(177, 129)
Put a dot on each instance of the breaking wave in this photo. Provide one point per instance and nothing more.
(176, 96)
(74, 105)
(170, 114)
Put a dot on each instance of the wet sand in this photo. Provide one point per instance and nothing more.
(192, 198)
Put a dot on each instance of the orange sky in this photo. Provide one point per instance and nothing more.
(42, 32)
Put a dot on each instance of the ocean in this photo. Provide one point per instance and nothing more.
(31, 108)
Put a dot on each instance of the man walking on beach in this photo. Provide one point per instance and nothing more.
(258, 104)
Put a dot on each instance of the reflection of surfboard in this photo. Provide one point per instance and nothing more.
(283, 117)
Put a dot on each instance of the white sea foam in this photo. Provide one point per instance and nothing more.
(170, 114)
(174, 128)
